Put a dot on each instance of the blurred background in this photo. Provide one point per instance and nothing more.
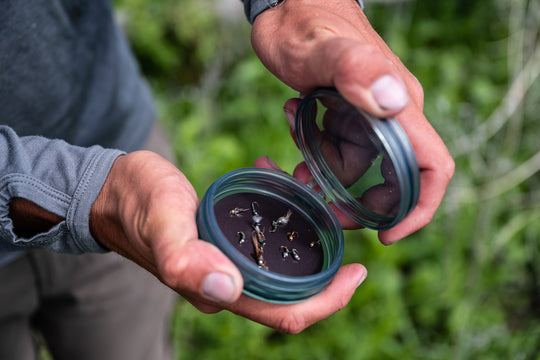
(465, 287)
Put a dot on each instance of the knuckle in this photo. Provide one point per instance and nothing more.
(424, 218)
(292, 324)
(168, 272)
(354, 57)
(352, 60)
(342, 302)
(448, 167)
(207, 309)
(415, 87)
(172, 270)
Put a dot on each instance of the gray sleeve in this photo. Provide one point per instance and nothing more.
(252, 8)
(61, 178)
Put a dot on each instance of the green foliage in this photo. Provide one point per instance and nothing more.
(465, 287)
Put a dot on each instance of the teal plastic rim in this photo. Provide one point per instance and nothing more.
(364, 165)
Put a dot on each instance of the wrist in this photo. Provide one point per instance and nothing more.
(30, 219)
(104, 217)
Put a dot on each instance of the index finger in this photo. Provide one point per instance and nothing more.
(436, 169)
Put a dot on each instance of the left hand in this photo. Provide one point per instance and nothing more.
(146, 212)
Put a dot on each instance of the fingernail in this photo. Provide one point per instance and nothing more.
(389, 93)
(362, 278)
(290, 117)
(218, 287)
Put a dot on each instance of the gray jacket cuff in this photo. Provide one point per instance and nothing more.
(62, 179)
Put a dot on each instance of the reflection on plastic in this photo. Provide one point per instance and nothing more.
(364, 165)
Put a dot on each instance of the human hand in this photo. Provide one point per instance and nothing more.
(146, 212)
(309, 44)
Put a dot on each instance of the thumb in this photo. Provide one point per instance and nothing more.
(197, 269)
(363, 75)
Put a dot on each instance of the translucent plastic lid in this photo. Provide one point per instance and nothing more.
(364, 165)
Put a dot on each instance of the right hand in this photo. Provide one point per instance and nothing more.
(310, 44)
